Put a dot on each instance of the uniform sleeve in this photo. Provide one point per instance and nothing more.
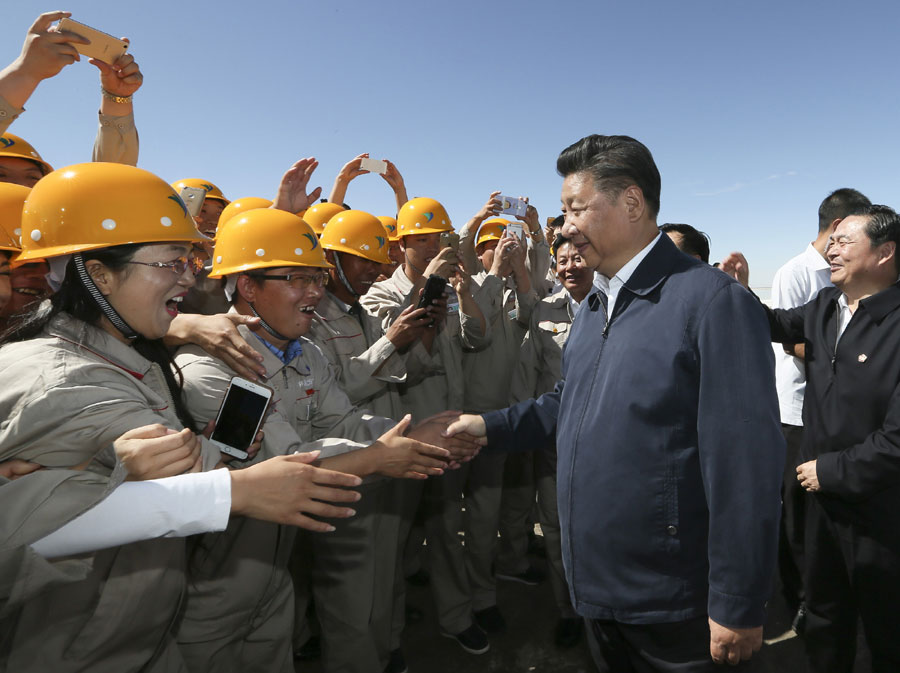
(741, 451)
(470, 326)
(862, 470)
(469, 259)
(117, 140)
(384, 304)
(538, 260)
(367, 374)
(524, 380)
(8, 114)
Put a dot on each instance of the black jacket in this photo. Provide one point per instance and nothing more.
(851, 411)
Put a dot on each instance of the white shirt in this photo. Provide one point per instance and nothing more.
(611, 287)
(178, 506)
(844, 315)
(795, 284)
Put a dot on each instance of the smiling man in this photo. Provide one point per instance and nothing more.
(666, 426)
(849, 457)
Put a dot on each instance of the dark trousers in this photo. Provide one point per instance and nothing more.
(850, 576)
(678, 647)
(793, 529)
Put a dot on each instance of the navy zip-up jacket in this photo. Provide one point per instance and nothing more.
(670, 452)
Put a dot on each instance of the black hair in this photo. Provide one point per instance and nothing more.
(839, 204)
(74, 299)
(693, 241)
(883, 226)
(559, 242)
(558, 221)
(616, 163)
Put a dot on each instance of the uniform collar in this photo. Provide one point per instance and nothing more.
(882, 303)
(100, 343)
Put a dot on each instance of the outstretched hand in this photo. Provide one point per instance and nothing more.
(121, 78)
(405, 457)
(462, 446)
(735, 265)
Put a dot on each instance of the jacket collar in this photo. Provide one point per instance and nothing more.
(882, 303)
(649, 274)
(102, 344)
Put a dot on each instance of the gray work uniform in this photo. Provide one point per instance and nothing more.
(537, 373)
(441, 389)
(67, 396)
(243, 571)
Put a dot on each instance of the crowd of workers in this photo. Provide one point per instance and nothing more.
(126, 547)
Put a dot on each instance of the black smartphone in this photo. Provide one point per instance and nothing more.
(242, 412)
(434, 288)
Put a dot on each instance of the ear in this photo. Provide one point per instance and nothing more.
(835, 223)
(246, 288)
(329, 256)
(102, 275)
(633, 199)
(887, 253)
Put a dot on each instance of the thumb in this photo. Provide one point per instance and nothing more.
(208, 430)
(148, 432)
(241, 319)
(403, 425)
(104, 68)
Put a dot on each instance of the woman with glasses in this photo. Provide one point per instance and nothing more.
(87, 367)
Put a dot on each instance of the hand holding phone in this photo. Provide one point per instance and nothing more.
(103, 46)
(515, 229)
(513, 206)
(193, 198)
(240, 416)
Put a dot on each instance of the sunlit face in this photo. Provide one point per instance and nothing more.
(287, 306)
(421, 249)
(572, 272)
(147, 297)
(20, 171)
(485, 253)
(851, 256)
(4, 278)
(599, 227)
(395, 253)
(358, 271)
(208, 219)
(28, 284)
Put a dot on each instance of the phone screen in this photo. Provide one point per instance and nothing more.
(239, 417)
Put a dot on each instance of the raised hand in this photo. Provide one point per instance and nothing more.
(292, 195)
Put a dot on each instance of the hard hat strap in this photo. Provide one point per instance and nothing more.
(340, 270)
(111, 314)
(266, 326)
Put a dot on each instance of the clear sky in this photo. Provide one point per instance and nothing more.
(754, 111)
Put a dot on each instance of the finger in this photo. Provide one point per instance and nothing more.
(197, 466)
(430, 450)
(412, 474)
(330, 477)
(208, 428)
(330, 511)
(101, 66)
(129, 70)
(315, 194)
(305, 456)
(22, 467)
(123, 61)
(146, 432)
(427, 470)
(66, 37)
(403, 425)
(734, 656)
(43, 22)
(307, 523)
(326, 494)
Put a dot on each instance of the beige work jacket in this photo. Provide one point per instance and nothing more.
(489, 372)
(67, 395)
(539, 366)
(442, 384)
(234, 573)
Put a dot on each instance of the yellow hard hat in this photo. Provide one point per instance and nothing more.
(390, 224)
(422, 216)
(357, 233)
(100, 205)
(12, 198)
(240, 206)
(14, 146)
(318, 215)
(212, 192)
(264, 238)
(491, 230)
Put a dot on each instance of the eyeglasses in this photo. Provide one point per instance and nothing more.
(298, 281)
(177, 266)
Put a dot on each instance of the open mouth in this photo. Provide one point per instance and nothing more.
(30, 291)
(172, 305)
(307, 309)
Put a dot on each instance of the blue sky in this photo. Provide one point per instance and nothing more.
(754, 111)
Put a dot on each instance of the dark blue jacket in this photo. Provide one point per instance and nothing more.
(670, 452)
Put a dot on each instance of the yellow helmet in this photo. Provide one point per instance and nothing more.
(491, 230)
(423, 216)
(100, 205)
(212, 192)
(240, 206)
(264, 238)
(390, 224)
(14, 146)
(12, 198)
(318, 215)
(357, 233)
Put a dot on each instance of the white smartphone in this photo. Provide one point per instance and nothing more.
(513, 206)
(193, 199)
(515, 229)
(373, 165)
(242, 412)
(104, 47)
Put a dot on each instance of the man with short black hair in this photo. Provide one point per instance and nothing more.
(690, 241)
(666, 426)
(794, 284)
(851, 442)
